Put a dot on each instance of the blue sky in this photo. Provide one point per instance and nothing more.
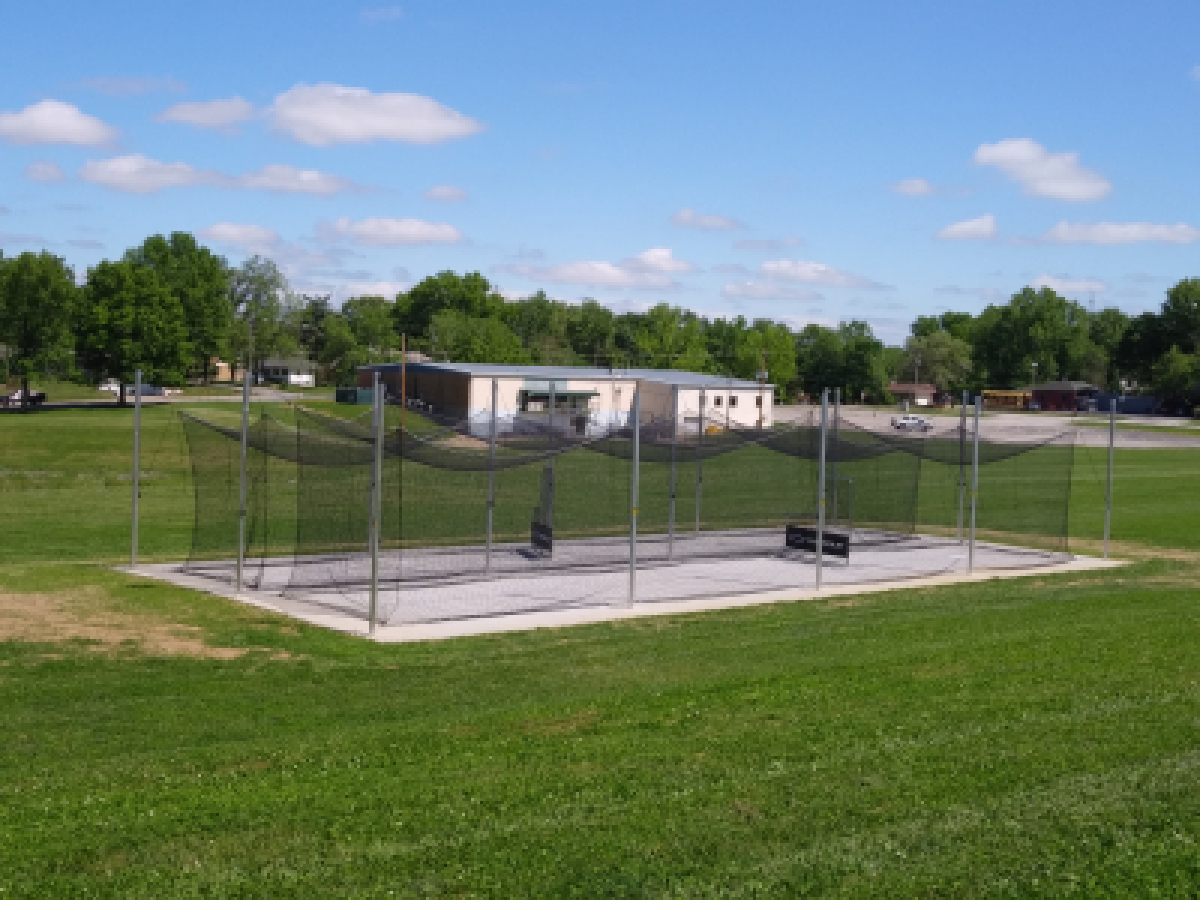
(797, 161)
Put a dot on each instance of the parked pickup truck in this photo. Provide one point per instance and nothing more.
(910, 422)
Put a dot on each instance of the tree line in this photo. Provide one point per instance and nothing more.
(171, 306)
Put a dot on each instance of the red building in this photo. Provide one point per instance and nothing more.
(1063, 396)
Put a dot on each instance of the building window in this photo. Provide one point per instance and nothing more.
(733, 401)
(716, 401)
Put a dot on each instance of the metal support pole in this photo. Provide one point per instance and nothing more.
(1112, 435)
(837, 408)
(699, 460)
(633, 493)
(137, 461)
(821, 484)
(671, 498)
(377, 410)
(974, 487)
(551, 435)
(242, 475)
(962, 462)
(491, 501)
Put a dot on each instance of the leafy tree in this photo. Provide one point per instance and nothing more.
(1175, 376)
(470, 339)
(666, 337)
(1142, 344)
(1106, 330)
(37, 298)
(340, 352)
(940, 358)
(311, 315)
(469, 294)
(1034, 327)
(592, 332)
(543, 325)
(257, 292)
(818, 359)
(863, 372)
(200, 281)
(128, 320)
(1181, 315)
(373, 322)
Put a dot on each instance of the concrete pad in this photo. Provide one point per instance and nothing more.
(438, 611)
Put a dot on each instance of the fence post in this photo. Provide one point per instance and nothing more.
(962, 462)
(821, 484)
(1112, 434)
(671, 504)
(633, 493)
(974, 487)
(137, 462)
(491, 500)
(376, 494)
(242, 475)
(699, 460)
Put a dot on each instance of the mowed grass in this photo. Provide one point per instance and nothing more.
(1016, 738)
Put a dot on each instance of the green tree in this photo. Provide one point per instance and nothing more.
(940, 358)
(592, 332)
(128, 320)
(1181, 315)
(470, 294)
(818, 359)
(1175, 376)
(372, 319)
(37, 298)
(200, 281)
(1034, 327)
(311, 316)
(340, 352)
(864, 374)
(1107, 329)
(468, 339)
(543, 325)
(257, 291)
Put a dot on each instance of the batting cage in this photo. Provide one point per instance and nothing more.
(366, 511)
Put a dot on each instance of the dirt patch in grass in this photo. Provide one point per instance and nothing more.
(86, 616)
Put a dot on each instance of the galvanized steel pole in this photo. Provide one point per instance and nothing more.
(974, 487)
(137, 461)
(699, 460)
(633, 493)
(821, 484)
(491, 501)
(962, 462)
(671, 498)
(1112, 435)
(837, 409)
(376, 494)
(242, 483)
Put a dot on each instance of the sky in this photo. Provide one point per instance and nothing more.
(800, 162)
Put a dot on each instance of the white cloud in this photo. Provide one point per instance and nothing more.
(54, 122)
(373, 15)
(446, 193)
(981, 229)
(913, 187)
(1122, 233)
(1069, 285)
(382, 232)
(593, 273)
(209, 113)
(124, 87)
(657, 259)
(289, 179)
(814, 273)
(323, 114)
(689, 218)
(782, 243)
(44, 170)
(768, 290)
(1042, 174)
(139, 174)
(1196, 72)
(245, 235)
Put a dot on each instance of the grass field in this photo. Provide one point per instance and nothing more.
(1018, 738)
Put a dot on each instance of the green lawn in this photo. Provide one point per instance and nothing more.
(1019, 738)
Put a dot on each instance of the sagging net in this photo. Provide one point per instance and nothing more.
(515, 494)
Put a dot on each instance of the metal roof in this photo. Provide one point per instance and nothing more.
(579, 373)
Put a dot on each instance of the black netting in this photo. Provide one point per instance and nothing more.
(465, 499)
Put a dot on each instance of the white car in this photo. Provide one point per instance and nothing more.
(910, 422)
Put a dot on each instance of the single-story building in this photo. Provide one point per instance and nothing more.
(1063, 396)
(914, 393)
(576, 399)
(290, 372)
